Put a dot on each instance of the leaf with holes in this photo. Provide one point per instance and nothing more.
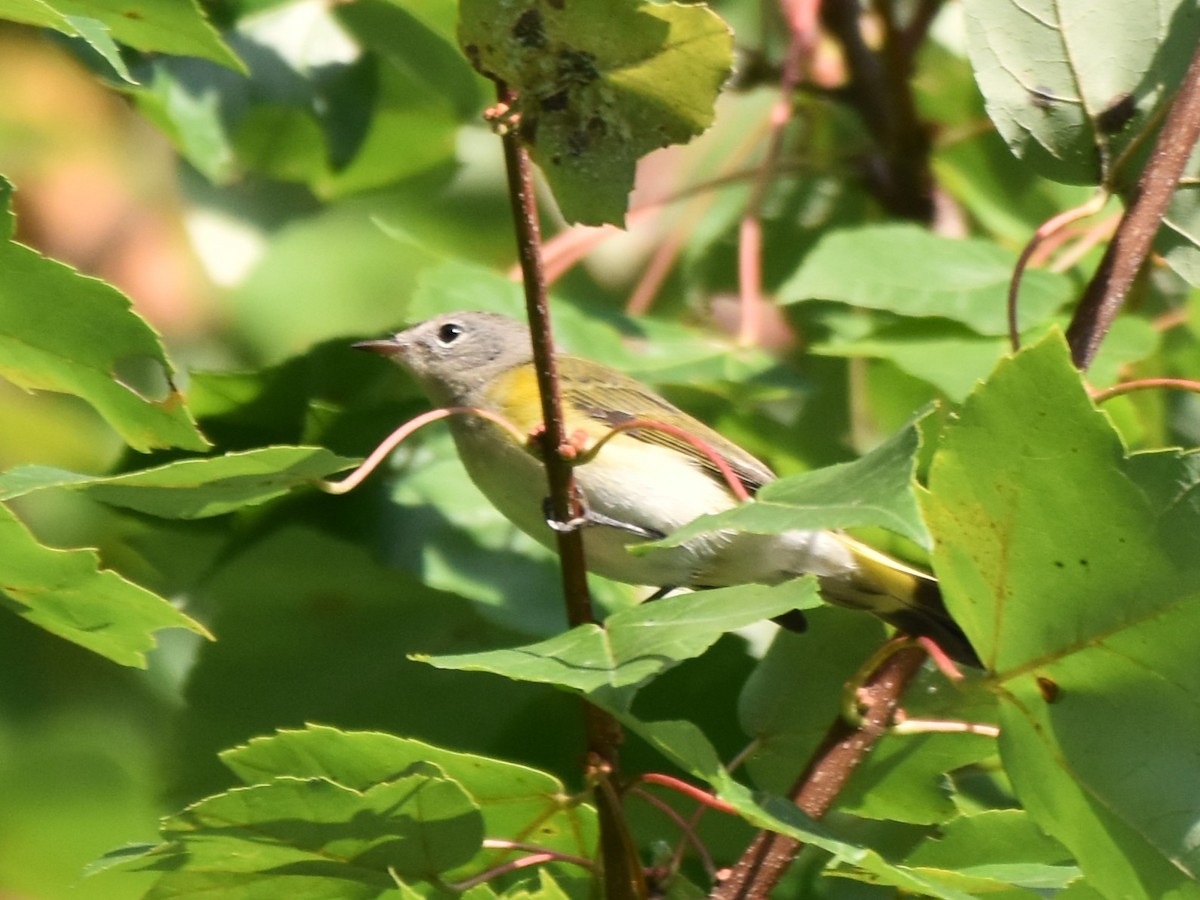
(61, 331)
(600, 83)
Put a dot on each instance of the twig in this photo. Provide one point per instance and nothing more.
(1131, 243)
(558, 471)
(536, 856)
(688, 790)
(944, 726)
(843, 749)
(622, 873)
(393, 440)
(910, 38)
(801, 19)
(1045, 231)
(899, 175)
(685, 828)
(1142, 384)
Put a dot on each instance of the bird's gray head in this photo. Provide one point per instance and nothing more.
(456, 355)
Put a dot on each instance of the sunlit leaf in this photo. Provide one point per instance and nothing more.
(517, 803)
(636, 645)
(600, 83)
(1075, 570)
(308, 835)
(67, 593)
(190, 488)
(164, 26)
(1004, 844)
(911, 272)
(1082, 102)
(873, 490)
(1069, 92)
(50, 317)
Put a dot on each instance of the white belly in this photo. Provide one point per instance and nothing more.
(645, 486)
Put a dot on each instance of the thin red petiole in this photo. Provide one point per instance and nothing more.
(726, 470)
(1144, 384)
(380, 453)
(688, 790)
(1048, 228)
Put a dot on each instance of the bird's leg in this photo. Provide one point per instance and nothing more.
(590, 517)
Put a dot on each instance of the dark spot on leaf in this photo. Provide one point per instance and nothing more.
(528, 31)
(577, 142)
(1042, 98)
(577, 66)
(557, 4)
(1060, 564)
(1084, 563)
(581, 140)
(556, 159)
(1049, 689)
(556, 101)
(132, 14)
(1117, 114)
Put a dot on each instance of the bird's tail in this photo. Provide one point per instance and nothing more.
(900, 595)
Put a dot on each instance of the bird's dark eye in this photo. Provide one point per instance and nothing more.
(449, 333)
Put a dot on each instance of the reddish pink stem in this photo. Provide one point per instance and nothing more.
(731, 478)
(393, 440)
(801, 18)
(1047, 229)
(689, 790)
(1145, 384)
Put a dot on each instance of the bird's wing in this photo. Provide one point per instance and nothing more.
(610, 402)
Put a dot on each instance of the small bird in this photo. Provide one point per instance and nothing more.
(643, 484)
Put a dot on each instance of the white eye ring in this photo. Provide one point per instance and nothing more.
(449, 333)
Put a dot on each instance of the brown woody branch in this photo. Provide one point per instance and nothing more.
(1130, 245)
(845, 746)
(880, 88)
(620, 867)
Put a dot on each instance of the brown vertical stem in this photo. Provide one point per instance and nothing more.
(622, 872)
(881, 91)
(844, 747)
